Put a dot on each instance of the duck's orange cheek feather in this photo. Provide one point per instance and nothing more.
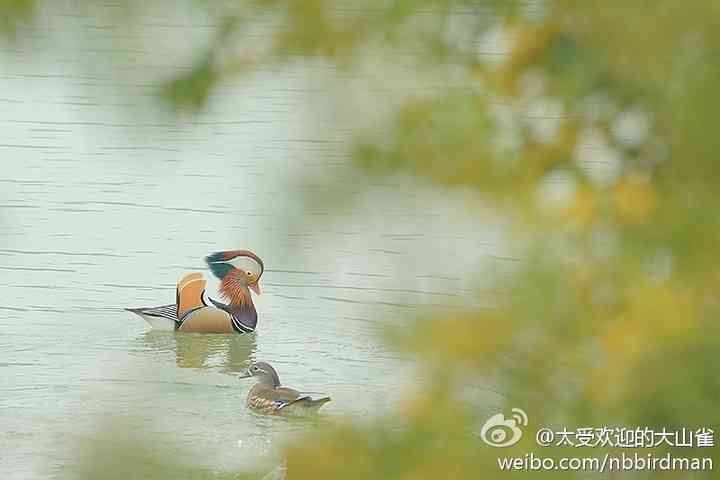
(231, 287)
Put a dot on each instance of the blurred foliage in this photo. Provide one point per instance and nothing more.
(602, 155)
(14, 13)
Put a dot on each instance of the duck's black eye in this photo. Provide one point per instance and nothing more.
(249, 274)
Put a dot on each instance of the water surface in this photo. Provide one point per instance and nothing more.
(104, 204)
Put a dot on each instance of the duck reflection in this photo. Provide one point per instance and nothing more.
(229, 353)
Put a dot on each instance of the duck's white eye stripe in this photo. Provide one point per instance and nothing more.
(246, 264)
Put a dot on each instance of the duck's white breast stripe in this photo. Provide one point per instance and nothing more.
(239, 326)
(205, 298)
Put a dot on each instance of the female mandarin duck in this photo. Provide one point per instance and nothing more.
(267, 396)
(239, 272)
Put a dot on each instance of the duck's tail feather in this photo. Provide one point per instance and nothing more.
(318, 402)
(160, 318)
(306, 404)
(314, 404)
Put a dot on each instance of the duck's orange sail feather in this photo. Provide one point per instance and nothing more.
(190, 290)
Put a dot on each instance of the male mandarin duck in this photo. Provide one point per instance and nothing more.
(239, 272)
(267, 396)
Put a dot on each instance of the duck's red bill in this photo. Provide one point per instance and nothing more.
(255, 287)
